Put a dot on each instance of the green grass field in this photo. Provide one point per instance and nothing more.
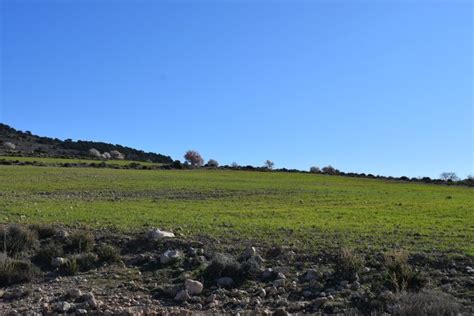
(306, 210)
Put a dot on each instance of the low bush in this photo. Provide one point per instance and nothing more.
(222, 266)
(46, 253)
(107, 253)
(16, 239)
(85, 261)
(80, 241)
(347, 264)
(400, 275)
(44, 231)
(426, 303)
(16, 271)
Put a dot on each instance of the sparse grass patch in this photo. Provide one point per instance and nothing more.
(427, 303)
(85, 261)
(16, 271)
(347, 264)
(80, 241)
(400, 275)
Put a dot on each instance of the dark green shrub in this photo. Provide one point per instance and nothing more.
(46, 253)
(16, 271)
(85, 261)
(44, 231)
(16, 239)
(107, 253)
(222, 266)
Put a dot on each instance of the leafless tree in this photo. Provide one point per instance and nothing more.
(95, 153)
(448, 176)
(194, 158)
(9, 145)
(269, 164)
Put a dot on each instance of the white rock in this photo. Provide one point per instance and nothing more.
(156, 234)
(63, 306)
(261, 292)
(58, 262)
(169, 256)
(74, 293)
(193, 287)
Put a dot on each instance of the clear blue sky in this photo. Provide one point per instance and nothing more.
(383, 87)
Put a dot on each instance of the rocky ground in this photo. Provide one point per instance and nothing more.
(57, 270)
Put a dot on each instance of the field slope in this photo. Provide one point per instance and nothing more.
(305, 210)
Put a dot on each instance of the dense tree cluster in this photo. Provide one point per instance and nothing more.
(54, 147)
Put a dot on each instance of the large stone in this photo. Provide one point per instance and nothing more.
(156, 234)
(170, 256)
(74, 293)
(268, 274)
(182, 296)
(225, 281)
(63, 306)
(193, 287)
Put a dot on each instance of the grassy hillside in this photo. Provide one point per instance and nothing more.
(30, 145)
(299, 209)
(55, 161)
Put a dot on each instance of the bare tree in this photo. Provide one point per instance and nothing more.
(9, 145)
(314, 169)
(446, 176)
(234, 165)
(194, 158)
(212, 163)
(269, 164)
